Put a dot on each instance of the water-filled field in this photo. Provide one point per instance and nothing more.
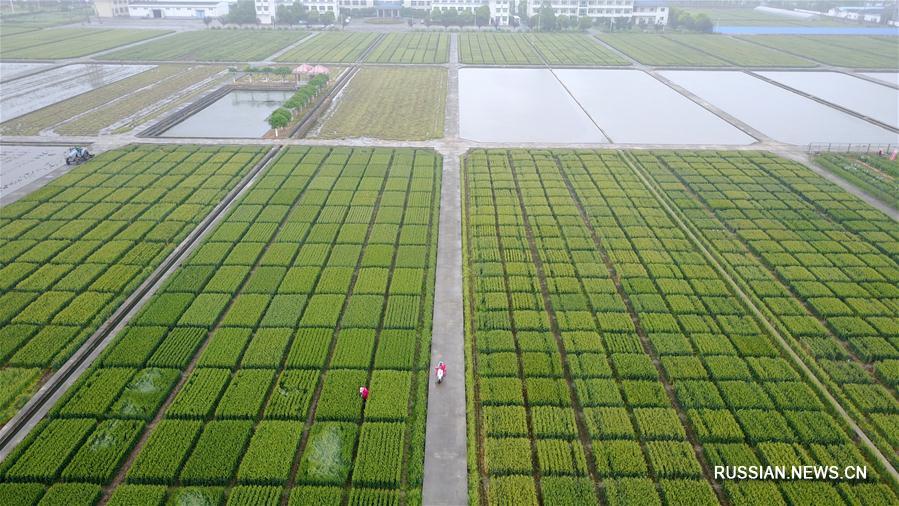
(241, 113)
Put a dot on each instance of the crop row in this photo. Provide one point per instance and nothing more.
(266, 362)
(848, 51)
(418, 47)
(44, 44)
(876, 175)
(839, 315)
(74, 249)
(573, 49)
(330, 47)
(654, 49)
(740, 52)
(101, 117)
(587, 213)
(211, 45)
(36, 121)
(484, 48)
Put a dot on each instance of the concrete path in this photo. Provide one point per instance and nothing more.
(446, 462)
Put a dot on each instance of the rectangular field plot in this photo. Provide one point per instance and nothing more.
(573, 49)
(843, 51)
(864, 97)
(69, 42)
(740, 52)
(875, 174)
(331, 47)
(776, 112)
(11, 70)
(318, 282)
(389, 103)
(670, 118)
(421, 47)
(212, 45)
(496, 105)
(604, 347)
(653, 49)
(497, 49)
(94, 110)
(821, 264)
(40, 90)
(73, 250)
(886, 77)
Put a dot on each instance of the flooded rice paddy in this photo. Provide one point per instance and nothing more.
(887, 77)
(520, 105)
(10, 70)
(239, 114)
(776, 112)
(633, 107)
(45, 88)
(872, 100)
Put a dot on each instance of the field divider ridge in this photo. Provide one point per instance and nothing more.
(647, 346)
(17, 428)
(767, 324)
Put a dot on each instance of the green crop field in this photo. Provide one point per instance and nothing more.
(573, 49)
(752, 17)
(497, 49)
(73, 250)
(41, 19)
(211, 45)
(411, 48)
(34, 122)
(91, 123)
(330, 47)
(655, 49)
(69, 42)
(740, 52)
(241, 376)
(874, 174)
(399, 103)
(843, 51)
(610, 361)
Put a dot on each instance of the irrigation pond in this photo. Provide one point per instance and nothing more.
(239, 114)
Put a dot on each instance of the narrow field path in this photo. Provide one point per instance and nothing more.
(446, 461)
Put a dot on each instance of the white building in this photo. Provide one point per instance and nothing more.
(111, 8)
(178, 9)
(644, 12)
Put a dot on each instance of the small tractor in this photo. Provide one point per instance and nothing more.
(78, 155)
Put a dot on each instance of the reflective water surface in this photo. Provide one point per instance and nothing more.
(780, 114)
(239, 114)
(520, 105)
(873, 100)
(633, 107)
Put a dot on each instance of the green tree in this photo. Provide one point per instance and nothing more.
(326, 18)
(279, 119)
(584, 23)
(482, 16)
(523, 11)
(563, 22)
(243, 12)
(546, 17)
(290, 14)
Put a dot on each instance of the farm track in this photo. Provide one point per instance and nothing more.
(39, 405)
(768, 326)
(445, 466)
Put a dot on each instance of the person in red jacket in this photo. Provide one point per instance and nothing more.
(363, 392)
(440, 371)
